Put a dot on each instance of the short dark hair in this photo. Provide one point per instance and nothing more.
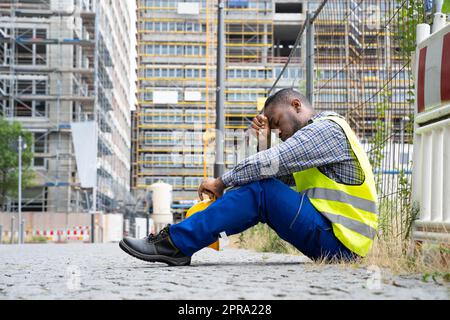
(285, 97)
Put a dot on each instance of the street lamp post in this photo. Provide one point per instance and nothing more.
(20, 225)
(219, 165)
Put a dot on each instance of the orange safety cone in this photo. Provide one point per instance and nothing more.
(202, 205)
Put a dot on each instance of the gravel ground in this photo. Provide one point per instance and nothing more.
(103, 271)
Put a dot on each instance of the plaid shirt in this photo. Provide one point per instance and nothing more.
(320, 144)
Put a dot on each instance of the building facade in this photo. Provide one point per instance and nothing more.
(63, 62)
(363, 67)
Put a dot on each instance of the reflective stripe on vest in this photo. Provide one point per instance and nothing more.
(351, 224)
(337, 195)
(352, 209)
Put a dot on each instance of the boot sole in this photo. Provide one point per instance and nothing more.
(154, 258)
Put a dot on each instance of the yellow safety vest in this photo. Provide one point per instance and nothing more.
(352, 209)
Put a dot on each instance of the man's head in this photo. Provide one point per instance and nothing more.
(288, 111)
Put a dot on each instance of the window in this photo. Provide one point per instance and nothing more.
(40, 109)
(292, 73)
(23, 109)
(148, 96)
(289, 7)
(149, 49)
(243, 96)
(39, 147)
(163, 116)
(193, 139)
(230, 160)
(195, 116)
(163, 160)
(25, 86)
(192, 183)
(31, 54)
(173, 181)
(41, 87)
(172, 50)
(193, 160)
(195, 73)
(162, 138)
(165, 26)
(238, 4)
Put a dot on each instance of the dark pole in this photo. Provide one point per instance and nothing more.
(19, 202)
(12, 230)
(310, 59)
(219, 166)
(92, 227)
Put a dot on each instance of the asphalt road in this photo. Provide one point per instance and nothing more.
(103, 271)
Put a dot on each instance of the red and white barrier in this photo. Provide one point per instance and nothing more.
(74, 234)
(433, 69)
(431, 169)
(78, 234)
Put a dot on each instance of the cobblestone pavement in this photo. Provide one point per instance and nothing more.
(103, 271)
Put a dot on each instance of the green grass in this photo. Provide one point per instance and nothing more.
(263, 239)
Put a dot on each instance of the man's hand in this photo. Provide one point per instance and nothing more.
(214, 188)
(261, 124)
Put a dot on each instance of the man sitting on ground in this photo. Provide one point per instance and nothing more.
(332, 213)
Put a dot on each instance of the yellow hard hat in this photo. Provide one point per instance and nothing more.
(202, 205)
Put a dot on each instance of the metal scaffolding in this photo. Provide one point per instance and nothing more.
(55, 69)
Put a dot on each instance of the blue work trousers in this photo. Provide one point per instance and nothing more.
(269, 201)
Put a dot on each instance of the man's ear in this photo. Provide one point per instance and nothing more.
(296, 103)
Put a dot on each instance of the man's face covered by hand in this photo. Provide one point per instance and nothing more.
(288, 119)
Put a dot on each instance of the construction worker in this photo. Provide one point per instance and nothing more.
(331, 213)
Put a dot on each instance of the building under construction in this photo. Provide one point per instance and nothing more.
(66, 61)
(362, 68)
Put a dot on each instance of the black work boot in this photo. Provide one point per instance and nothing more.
(155, 248)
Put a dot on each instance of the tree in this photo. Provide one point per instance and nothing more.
(446, 6)
(9, 162)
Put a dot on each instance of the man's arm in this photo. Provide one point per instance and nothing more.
(214, 188)
(318, 144)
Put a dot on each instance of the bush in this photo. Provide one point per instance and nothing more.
(37, 239)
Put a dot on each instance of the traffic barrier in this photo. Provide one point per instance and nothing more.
(431, 169)
(73, 234)
(78, 234)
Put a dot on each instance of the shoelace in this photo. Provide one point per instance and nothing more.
(163, 233)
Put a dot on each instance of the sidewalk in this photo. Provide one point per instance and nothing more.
(103, 271)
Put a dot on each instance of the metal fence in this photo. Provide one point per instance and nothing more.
(358, 53)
